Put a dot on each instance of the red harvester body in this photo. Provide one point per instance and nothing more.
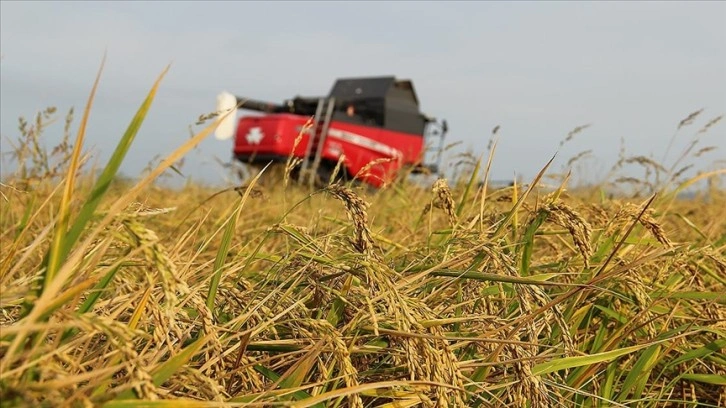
(362, 120)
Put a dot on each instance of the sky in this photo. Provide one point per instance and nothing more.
(630, 70)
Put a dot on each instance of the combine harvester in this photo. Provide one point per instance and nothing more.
(373, 123)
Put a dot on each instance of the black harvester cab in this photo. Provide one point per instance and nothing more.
(380, 102)
(388, 103)
(383, 102)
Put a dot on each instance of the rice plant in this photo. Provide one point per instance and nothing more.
(116, 293)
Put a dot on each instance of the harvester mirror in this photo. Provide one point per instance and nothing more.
(444, 126)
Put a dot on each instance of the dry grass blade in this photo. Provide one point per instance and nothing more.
(689, 119)
(55, 255)
(711, 123)
(363, 388)
(485, 186)
(578, 361)
(231, 223)
(511, 214)
(574, 132)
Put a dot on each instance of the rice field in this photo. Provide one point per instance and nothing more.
(123, 293)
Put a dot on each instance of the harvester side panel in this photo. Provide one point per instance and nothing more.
(272, 137)
(363, 145)
(269, 137)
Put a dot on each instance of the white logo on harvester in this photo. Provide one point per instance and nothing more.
(255, 135)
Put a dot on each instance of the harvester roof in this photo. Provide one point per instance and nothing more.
(350, 89)
(380, 101)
